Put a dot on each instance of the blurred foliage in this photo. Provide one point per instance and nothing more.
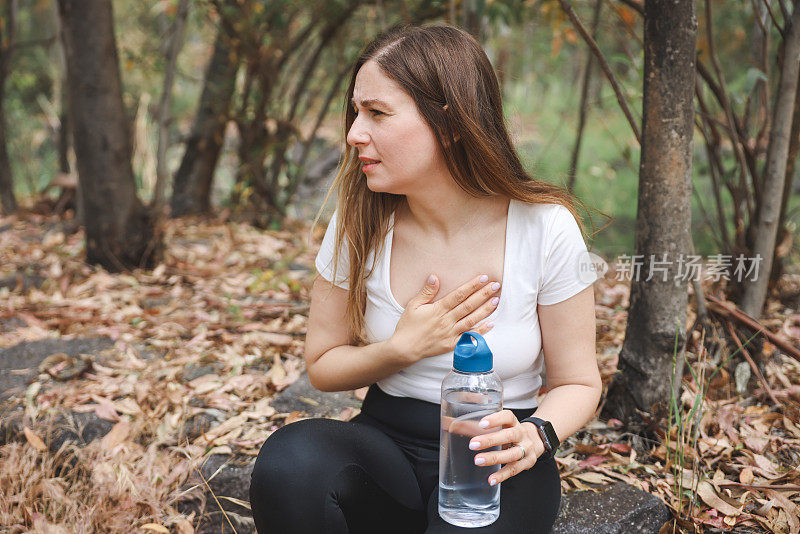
(537, 52)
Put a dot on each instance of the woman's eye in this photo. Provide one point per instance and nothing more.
(376, 112)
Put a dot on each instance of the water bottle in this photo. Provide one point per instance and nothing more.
(470, 392)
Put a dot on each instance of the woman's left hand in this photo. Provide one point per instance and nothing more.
(513, 433)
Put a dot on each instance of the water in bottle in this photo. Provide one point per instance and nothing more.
(471, 391)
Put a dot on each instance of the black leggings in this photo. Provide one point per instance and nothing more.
(379, 472)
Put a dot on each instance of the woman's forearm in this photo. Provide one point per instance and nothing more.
(569, 407)
(349, 367)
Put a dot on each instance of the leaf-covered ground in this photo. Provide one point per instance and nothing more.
(233, 301)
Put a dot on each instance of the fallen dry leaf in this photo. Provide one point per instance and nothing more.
(219, 303)
(706, 492)
(116, 435)
(35, 441)
(746, 476)
(155, 527)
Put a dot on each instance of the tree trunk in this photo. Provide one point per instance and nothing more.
(657, 314)
(766, 225)
(164, 105)
(192, 185)
(781, 256)
(60, 87)
(119, 229)
(7, 198)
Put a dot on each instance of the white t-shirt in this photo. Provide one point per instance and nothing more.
(543, 251)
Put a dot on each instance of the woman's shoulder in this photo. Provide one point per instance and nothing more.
(542, 215)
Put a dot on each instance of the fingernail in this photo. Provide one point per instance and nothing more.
(492, 481)
(483, 424)
(489, 325)
(474, 445)
(483, 278)
(495, 301)
(479, 460)
(495, 286)
(431, 280)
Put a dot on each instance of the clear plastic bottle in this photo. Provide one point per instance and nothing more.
(470, 391)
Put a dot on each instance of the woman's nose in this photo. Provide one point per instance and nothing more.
(357, 135)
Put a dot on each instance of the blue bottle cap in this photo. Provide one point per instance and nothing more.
(469, 358)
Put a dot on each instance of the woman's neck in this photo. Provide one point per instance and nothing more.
(445, 219)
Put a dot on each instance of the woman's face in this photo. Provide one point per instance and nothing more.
(389, 128)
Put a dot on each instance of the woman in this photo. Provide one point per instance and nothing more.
(432, 195)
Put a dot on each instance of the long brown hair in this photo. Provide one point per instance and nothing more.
(455, 88)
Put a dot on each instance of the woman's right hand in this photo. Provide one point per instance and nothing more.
(431, 328)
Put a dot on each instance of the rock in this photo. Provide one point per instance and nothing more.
(19, 365)
(55, 429)
(233, 479)
(193, 371)
(154, 302)
(618, 509)
(12, 419)
(78, 428)
(146, 352)
(302, 396)
(227, 476)
(197, 424)
(22, 281)
(12, 323)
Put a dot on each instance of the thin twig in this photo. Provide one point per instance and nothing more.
(774, 21)
(782, 487)
(750, 361)
(758, 16)
(212, 493)
(736, 139)
(715, 166)
(565, 5)
(729, 310)
(33, 42)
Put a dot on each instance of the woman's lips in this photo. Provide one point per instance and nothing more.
(370, 166)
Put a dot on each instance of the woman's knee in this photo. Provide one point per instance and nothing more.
(290, 450)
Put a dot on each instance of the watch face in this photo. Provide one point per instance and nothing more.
(552, 437)
(547, 433)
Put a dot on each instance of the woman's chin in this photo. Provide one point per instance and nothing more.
(376, 186)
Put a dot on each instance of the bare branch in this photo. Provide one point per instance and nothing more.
(565, 5)
(758, 17)
(736, 139)
(785, 11)
(774, 20)
(714, 164)
(326, 35)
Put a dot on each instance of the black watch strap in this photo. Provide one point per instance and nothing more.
(547, 434)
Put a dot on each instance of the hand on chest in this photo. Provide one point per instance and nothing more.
(410, 265)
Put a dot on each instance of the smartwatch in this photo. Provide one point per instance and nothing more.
(547, 434)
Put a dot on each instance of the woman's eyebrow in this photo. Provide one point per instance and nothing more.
(371, 102)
